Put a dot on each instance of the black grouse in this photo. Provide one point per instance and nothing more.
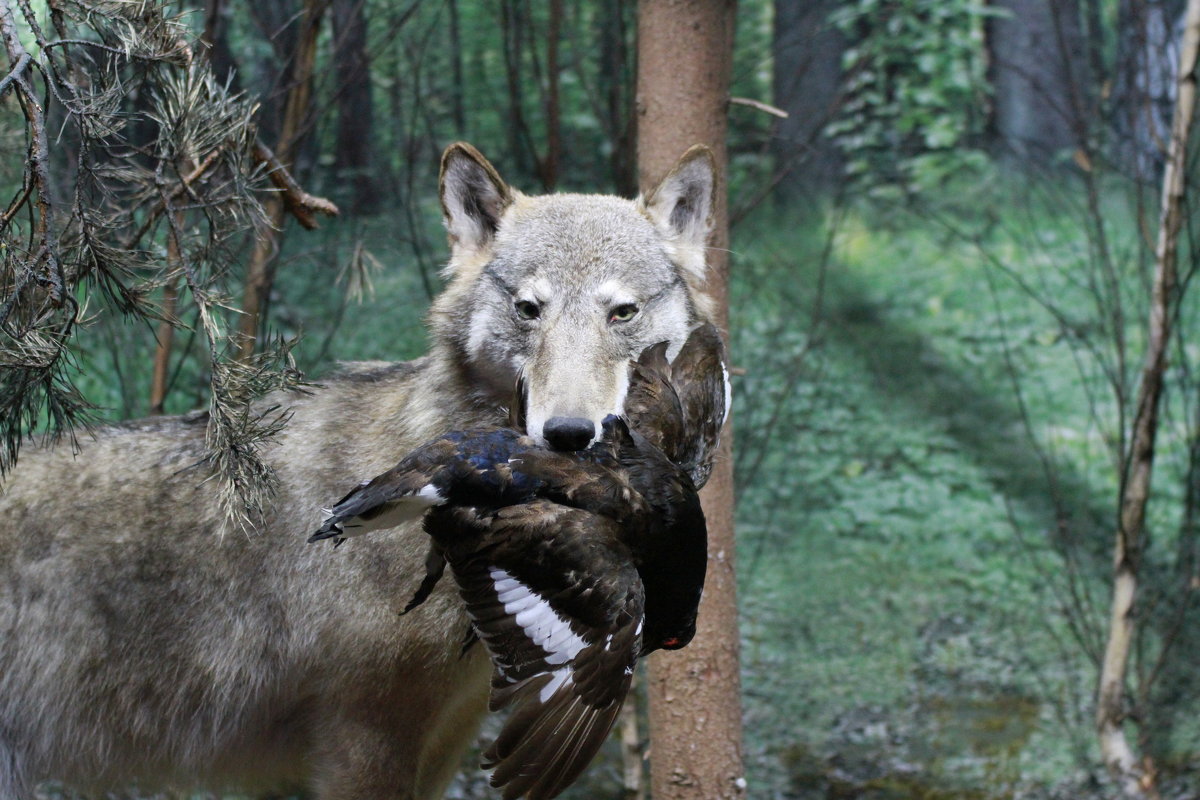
(572, 564)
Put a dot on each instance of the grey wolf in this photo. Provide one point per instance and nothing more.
(137, 644)
(572, 565)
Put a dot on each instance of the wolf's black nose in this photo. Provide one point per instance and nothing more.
(568, 433)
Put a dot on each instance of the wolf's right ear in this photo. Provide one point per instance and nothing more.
(473, 197)
(682, 203)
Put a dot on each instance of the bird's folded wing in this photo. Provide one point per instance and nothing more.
(701, 378)
(401, 494)
(569, 480)
(652, 405)
(559, 605)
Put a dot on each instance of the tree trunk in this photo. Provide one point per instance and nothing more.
(806, 82)
(619, 121)
(1136, 777)
(276, 24)
(260, 274)
(215, 38)
(685, 53)
(165, 336)
(1037, 72)
(519, 139)
(356, 112)
(550, 164)
(457, 94)
(633, 772)
(1143, 84)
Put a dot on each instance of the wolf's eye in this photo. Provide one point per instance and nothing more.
(623, 313)
(527, 309)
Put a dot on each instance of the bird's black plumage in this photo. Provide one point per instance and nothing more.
(572, 565)
(681, 406)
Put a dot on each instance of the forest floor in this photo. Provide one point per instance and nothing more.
(925, 505)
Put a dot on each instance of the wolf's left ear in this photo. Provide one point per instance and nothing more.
(473, 197)
(682, 203)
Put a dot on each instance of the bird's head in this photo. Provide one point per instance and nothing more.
(615, 433)
(676, 637)
(677, 642)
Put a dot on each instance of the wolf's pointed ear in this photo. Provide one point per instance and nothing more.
(473, 197)
(682, 203)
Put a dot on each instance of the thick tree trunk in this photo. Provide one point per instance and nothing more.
(806, 80)
(618, 118)
(1143, 84)
(1135, 776)
(356, 112)
(260, 274)
(1037, 71)
(685, 53)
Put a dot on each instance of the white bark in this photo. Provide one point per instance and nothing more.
(1135, 776)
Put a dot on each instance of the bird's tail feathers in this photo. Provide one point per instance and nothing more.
(331, 527)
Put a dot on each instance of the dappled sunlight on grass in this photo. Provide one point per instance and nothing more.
(901, 504)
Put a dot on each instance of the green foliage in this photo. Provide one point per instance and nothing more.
(926, 483)
(916, 93)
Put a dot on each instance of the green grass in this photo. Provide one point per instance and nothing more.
(903, 521)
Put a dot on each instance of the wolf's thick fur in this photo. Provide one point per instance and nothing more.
(136, 644)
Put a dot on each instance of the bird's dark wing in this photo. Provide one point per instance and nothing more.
(701, 379)
(459, 467)
(680, 407)
(592, 481)
(399, 495)
(557, 601)
(652, 405)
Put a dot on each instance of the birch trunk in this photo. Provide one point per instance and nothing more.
(1136, 776)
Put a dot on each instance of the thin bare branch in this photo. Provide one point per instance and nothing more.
(299, 203)
(766, 108)
(23, 61)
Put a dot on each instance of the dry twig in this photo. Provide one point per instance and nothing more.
(299, 203)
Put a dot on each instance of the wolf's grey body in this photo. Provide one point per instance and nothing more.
(135, 643)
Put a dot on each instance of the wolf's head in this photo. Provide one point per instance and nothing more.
(565, 290)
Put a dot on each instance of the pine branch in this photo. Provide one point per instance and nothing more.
(189, 194)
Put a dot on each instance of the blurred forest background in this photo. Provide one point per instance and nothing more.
(942, 269)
